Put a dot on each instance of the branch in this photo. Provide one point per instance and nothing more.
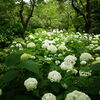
(78, 11)
(32, 2)
(21, 12)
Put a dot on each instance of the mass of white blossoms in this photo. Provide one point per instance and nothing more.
(66, 66)
(52, 48)
(70, 59)
(86, 57)
(84, 73)
(48, 96)
(68, 63)
(0, 92)
(30, 84)
(98, 48)
(62, 47)
(31, 36)
(25, 56)
(31, 45)
(54, 76)
(45, 45)
(98, 59)
(83, 62)
(77, 95)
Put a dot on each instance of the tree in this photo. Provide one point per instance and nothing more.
(24, 21)
(83, 7)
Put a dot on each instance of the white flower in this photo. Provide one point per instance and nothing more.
(52, 48)
(30, 84)
(31, 36)
(74, 71)
(0, 92)
(65, 86)
(84, 73)
(59, 55)
(66, 66)
(45, 45)
(62, 47)
(48, 96)
(54, 76)
(86, 57)
(83, 62)
(33, 57)
(47, 58)
(77, 95)
(31, 45)
(98, 48)
(70, 59)
(57, 62)
(98, 59)
(25, 56)
(18, 45)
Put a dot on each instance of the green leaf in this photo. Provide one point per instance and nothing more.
(12, 59)
(30, 65)
(56, 87)
(8, 76)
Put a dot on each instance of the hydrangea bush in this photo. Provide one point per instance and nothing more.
(51, 66)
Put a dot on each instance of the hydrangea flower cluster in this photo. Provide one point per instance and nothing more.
(84, 73)
(26, 56)
(77, 95)
(49, 96)
(31, 45)
(68, 63)
(30, 84)
(86, 57)
(52, 48)
(54, 76)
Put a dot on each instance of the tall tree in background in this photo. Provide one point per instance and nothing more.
(83, 7)
(24, 21)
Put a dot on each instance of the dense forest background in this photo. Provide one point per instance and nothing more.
(19, 16)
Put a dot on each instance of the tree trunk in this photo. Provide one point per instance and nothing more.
(23, 21)
(88, 17)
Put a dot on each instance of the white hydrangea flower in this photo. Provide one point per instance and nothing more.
(70, 59)
(84, 73)
(0, 92)
(47, 58)
(33, 57)
(65, 86)
(30, 84)
(77, 95)
(98, 48)
(83, 62)
(66, 66)
(54, 76)
(59, 55)
(86, 57)
(48, 96)
(31, 36)
(52, 48)
(31, 45)
(98, 59)
(25, 56)
(94, 41)
(62, 47)
(57, 62)
(45, 45)
(18, 45)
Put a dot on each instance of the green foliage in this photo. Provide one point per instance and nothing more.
(12, 60)
(30, 65)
